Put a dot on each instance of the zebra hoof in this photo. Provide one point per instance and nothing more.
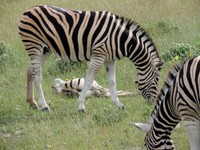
(81, 111)
(46, 109)
(122, 108)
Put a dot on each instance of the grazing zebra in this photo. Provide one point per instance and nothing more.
(96, 36)
(74, 87)
(178, 100)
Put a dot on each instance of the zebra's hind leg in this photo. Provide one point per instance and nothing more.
(42, 101)
(37, 61)
(193, 131)
(94, 66)
(30, 89)
(110, 72)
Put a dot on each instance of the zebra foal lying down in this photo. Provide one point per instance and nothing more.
(74, 87)
(178, 100)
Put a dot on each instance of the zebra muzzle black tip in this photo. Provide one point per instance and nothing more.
(81, 111)
(122, 108)
(46, 109)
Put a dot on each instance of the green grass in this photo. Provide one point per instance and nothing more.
(103, 126)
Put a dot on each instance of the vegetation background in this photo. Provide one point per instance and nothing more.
(103, 126)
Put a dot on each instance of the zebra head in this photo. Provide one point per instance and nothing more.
(153, 139)
(147, 81)
(163, 143)
(59, 85)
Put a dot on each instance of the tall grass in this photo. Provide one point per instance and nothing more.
(103, 126)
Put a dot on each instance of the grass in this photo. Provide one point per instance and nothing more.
(103, 126)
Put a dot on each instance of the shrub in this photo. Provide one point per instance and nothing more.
(4, 53)
(198, 40)
(58, 66)
(180, 51)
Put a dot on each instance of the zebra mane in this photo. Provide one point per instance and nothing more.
(165, 88)
(134, 27)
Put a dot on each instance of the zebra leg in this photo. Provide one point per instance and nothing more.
(37, 63)
(42, 101)
(30, 89)
(94, 66)
(110, 72)
(193, 131)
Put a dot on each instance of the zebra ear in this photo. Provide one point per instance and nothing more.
(142, 126)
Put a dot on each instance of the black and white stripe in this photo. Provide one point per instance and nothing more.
(74, 87)
(178, 100)
(96, 36)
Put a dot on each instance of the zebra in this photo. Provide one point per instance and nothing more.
(74, 87)
(99, 37)
(178, 100)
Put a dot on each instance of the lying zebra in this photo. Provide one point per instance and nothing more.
(178, 100)
(74, 87)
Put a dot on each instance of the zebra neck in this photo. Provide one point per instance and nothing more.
(160, 98)
(143, 54)
(163, 124)
(165, 92)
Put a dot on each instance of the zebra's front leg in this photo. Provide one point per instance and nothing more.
(193, 131)
(110, 72)
(81, 98)
(30, 89)
(94, 66)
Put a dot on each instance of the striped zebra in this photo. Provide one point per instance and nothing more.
(74, 87)
(178, 100)
(96, 36)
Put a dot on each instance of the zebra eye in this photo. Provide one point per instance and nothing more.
(136, 81)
